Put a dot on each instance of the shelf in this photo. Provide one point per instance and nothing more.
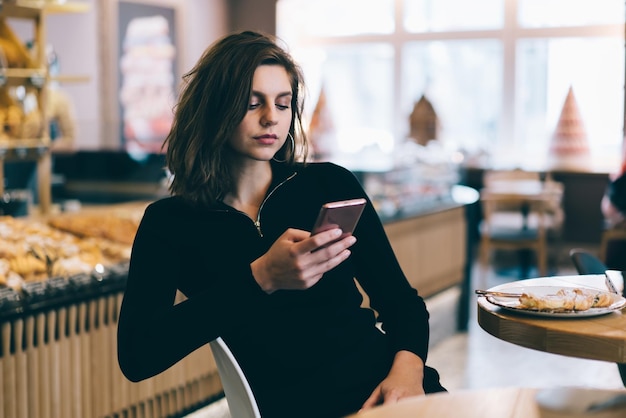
(67, 7)
(32, 9)
(22, 149)
(35, 77)
(70, 78)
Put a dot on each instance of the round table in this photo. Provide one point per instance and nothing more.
(597, 338)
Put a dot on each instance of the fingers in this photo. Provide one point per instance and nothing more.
(292, 262)
(373, 399)
(320, 263)
(295, 235)
(319, 240)
(309, 267)
(391, 397)
(383, 394)
(334, 246)
(315, 265)
(306, 243)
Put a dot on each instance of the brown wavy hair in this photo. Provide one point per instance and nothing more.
(213, 101)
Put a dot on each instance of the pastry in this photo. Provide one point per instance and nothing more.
(566, 299)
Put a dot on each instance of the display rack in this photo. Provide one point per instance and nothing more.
(35, 79)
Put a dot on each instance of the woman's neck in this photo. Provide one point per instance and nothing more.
(251, 186)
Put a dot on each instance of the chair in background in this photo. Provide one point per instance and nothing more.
(513, 174)
(587, 263)
(500, 180)
(519, 182)
(239, 396)
(521, 212)
(614, 233)
(504, 229)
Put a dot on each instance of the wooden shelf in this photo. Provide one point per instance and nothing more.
(22, 149)
(67, 7)
(35, 77)
(36, 149)
(32, 9)
(70, 78)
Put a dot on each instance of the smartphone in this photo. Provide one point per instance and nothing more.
(343, 214)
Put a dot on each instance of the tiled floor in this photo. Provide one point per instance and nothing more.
(475, 359)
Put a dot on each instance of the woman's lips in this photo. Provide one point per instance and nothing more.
(266, 139)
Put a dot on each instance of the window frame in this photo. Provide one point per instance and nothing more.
(508, 35)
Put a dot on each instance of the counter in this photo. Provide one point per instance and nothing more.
(432, 242)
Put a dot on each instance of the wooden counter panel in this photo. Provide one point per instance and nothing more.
(431, 249)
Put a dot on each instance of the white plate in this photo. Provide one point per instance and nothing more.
(513, 304)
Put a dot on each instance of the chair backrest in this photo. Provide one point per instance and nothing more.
(513, 212)
(490, 176)
(239, 396)
(586, 263)
(614, 233)
(515, 181)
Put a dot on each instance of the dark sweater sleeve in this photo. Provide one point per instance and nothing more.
(153, 332)
(401, 310)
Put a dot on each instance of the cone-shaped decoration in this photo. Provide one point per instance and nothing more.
(569, 147)
(322, 129)
(424, 121)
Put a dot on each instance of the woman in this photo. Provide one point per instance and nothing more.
(234, 238)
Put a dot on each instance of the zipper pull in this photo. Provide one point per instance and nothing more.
(257, 223)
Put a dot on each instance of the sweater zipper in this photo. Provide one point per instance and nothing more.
(257, 222)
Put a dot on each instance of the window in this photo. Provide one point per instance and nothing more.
(497, 72)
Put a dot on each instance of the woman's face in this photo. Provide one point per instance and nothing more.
(264, 128)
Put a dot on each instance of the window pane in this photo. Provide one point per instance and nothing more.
(463, 80)
(439, 15)
(334, 17)
(594, 67)
(553, 13)
(357, 81)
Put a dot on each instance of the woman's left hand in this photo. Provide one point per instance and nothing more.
(405, 379)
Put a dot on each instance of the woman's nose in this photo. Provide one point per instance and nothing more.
(269, 116)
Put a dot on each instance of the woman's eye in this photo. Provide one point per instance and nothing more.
(254, 105)
(282, 107)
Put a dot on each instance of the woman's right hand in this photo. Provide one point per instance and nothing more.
(296, 261)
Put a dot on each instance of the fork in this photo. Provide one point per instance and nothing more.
(496, 293)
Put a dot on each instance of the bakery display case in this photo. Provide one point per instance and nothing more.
(24, 80)
(405, 190)
(420, 179)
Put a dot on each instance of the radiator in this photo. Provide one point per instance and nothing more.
(58, 358)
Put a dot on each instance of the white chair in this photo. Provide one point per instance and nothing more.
(239, 396)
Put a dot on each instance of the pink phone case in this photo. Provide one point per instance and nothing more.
(343, 214)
